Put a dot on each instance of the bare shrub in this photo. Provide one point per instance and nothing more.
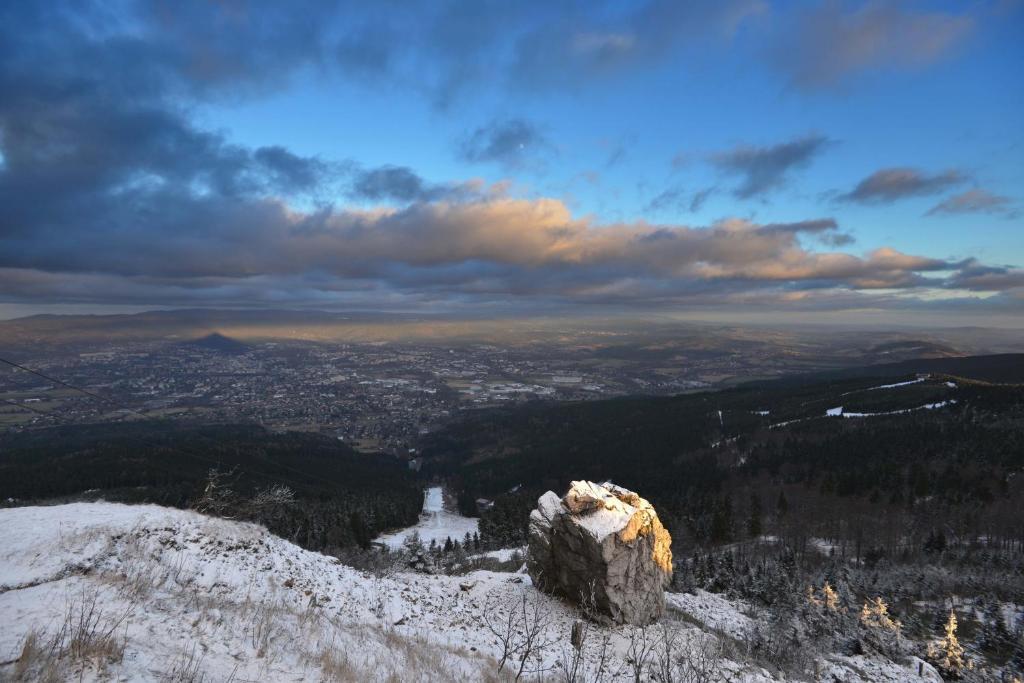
(701, 659)
(87, 635)
(666, 655)
(264, 627)
(186, 668)
(520, 625)
(587, 657)
(379, 600)
(639, 651)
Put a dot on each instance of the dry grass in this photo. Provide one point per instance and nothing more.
(383, 655)
(88, 637)
(186, 668)
(336, 666)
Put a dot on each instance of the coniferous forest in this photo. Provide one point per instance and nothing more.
(343, 498)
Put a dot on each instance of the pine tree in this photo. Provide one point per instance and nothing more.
(721, 522)
(360, 531)
(876, 613)
(950, 655)
(994, 636)
(782, 505)
(754, 519)
(830, 597)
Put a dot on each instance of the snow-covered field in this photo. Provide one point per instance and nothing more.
(183, 596)
(436, 523)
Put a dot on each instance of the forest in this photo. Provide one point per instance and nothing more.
(935, 457)
(337, 498)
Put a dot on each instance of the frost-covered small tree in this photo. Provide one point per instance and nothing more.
(948, 654)
(270, 502)
(830, 597)
(875, 613)
(413, 545)
(218, 498)
(273, 495)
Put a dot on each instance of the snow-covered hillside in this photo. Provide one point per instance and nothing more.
(182, 596)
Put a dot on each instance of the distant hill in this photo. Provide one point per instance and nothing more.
(912, 349)
(1002, 368)
(219, 343)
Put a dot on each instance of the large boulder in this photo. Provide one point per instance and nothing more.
(604, 547)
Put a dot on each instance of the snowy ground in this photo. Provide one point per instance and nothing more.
(226, 600)
(436, 523)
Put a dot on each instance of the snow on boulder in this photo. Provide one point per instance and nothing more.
(604, 545)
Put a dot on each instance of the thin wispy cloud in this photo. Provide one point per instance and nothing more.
(509, 142)
(763, 169)
(892, 184)
(976, 200)
(834, 41)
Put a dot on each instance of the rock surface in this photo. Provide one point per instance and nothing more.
(604, 547)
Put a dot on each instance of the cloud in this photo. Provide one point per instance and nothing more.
(446, 50)
(681, 160)
(288, 172)
(676, 198)
(891, 184)
(831, 43)
(975, 201)
(701, 196)
(976, 276)
(671, 199)
(112, 193)
(460, 251)
(509, 142)
(765, 168)
(590, 43)
(393, 182)
(402, 184)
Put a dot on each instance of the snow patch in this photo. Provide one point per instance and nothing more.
(436, 523)
(713, 611)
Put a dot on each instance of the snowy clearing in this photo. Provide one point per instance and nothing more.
(436, 523)
(888, 386)
(926, 406)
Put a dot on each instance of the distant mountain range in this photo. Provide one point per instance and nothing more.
(651, 338)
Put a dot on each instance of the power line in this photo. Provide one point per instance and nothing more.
(27, 407)
(86, 392)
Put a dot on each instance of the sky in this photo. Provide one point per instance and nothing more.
(712, 157)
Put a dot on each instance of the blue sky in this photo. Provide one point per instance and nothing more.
(522, 159)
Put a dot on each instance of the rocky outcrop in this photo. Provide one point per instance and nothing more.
(603, 546)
